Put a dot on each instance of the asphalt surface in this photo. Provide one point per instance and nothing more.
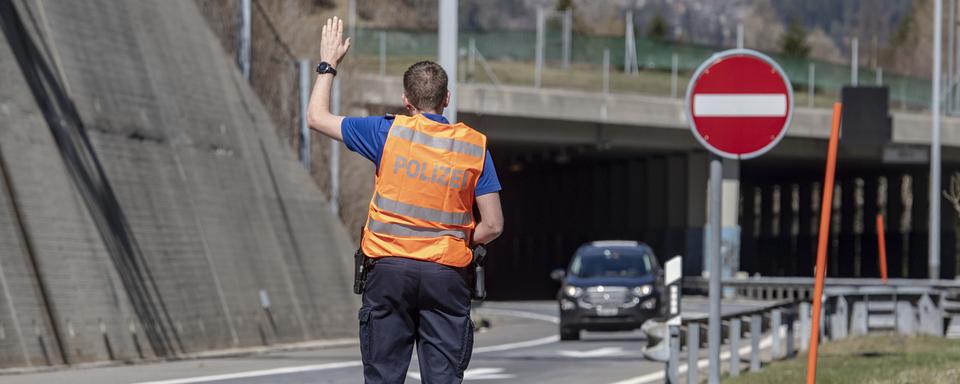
(521, 346)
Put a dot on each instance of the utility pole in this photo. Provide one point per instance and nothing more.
(951, 46)
(606, 71)
(447, 51)
(811, 84)
(630, 63)
(934, 214)
(674, 64)
(740, 35)
(335, 153)
(383, 53)
(955, 101)
(854, 62)
(567, 36)
(305, 74)
(352, 21)
(243, 51)
(541, 30)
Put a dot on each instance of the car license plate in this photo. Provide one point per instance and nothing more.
(601, 311)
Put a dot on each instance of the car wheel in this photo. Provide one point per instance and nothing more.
(567, 334)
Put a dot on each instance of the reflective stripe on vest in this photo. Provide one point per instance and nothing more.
(423, 213)
(437, 142)
(411, 231)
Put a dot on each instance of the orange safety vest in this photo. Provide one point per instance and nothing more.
(422, 206)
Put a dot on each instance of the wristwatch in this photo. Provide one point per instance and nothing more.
(325, 67)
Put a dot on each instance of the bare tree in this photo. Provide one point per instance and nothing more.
(953, 196)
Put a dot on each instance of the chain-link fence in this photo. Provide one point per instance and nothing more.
(510, 57)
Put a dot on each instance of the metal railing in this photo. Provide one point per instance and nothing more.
(663, 65)
(801, 288)
(852, 307)
(772, 327)
(858, 306)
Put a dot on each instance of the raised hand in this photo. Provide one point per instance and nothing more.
(332, 46)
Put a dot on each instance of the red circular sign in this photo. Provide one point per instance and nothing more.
(739, 104)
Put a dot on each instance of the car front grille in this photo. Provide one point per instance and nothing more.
(607, 296)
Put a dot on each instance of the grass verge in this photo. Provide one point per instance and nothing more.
(878, 359)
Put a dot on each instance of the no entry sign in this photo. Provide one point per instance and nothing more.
(739, 104)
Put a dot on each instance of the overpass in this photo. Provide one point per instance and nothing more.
(569, 117)
(579, 166)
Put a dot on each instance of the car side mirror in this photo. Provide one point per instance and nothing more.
(558, 274)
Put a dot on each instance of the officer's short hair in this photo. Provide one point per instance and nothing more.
(425, 85)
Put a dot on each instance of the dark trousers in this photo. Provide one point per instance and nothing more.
(409, 302)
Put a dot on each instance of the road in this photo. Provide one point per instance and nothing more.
(521, 346)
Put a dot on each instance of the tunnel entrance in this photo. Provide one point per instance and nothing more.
(556, 199)
(779, 219)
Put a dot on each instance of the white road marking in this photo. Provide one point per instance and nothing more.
(740, 105)
(599, 352)
(357, 363)
(475, 374)
(518, 345)
(766, 342)
(521, 344)
(260, 373)
(522, 314)
(486, 374)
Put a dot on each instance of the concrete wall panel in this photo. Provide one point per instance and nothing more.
(214, 207)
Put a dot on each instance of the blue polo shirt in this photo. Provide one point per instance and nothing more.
(368, 135)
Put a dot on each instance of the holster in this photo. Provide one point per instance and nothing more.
(479, 283)
(361, 266)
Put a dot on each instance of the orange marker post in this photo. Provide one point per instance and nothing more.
(825, 205)
(882, 246)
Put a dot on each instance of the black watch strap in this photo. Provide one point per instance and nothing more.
(325, 67)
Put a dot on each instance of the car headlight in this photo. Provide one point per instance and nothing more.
(643, 290)
(573, 291)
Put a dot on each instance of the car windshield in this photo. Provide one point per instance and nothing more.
(611, 263)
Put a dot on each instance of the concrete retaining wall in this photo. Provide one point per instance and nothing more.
(152, 211)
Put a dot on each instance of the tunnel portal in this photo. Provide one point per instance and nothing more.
(556, 198)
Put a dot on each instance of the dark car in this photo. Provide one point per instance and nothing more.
(609, 286)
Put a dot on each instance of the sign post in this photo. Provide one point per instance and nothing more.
(739, 104)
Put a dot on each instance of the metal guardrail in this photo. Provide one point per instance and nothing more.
(777, 318)
(801, 288)
(852, 307)
(772, 326)
(858, 306)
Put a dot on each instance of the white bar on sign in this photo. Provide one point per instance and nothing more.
(740, 105)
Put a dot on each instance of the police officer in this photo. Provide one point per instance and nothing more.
(420, 224)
